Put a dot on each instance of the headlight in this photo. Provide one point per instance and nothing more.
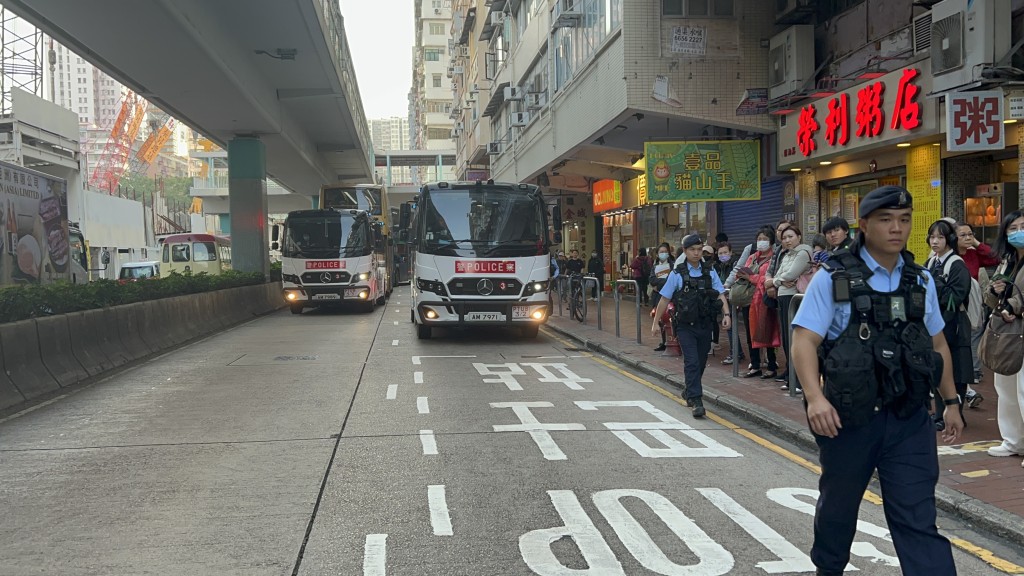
(291, 278)
(364, 275)
(535, 287)
(430, 286)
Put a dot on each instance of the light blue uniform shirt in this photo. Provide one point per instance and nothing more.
(675, 281)
(828, 319)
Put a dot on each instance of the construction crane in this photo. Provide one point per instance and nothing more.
(160, 131)
(117, 150)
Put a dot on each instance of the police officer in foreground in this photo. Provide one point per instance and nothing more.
(873, 326)
(696, 292)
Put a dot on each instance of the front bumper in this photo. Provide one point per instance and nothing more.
(482, 312)
(326, 294)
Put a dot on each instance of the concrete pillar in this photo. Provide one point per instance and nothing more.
(247, 194)
(387, 178)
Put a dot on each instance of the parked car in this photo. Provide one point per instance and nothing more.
(135, 271)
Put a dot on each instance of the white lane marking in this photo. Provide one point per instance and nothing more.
(416, 359)
(569, 378)
(791, 559)
(439, 517)
(397, 310)
(394, 342)
(429, 442)
(507, 376)
(535, 545)
(374, 554)
(421, 405)
(392, 391)
(417, 377)
(536, 430)
(396, 322)
(709, 447)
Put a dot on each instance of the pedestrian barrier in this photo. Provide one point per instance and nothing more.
(618, 300)
(128, 332)
(597, 285)
(22, 362)
(793, 306)
(86, 330)
(55, 350)
(42, 355)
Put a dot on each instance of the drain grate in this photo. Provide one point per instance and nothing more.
(295, 358)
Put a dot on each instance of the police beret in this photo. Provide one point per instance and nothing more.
(893, 197)
(691, 240)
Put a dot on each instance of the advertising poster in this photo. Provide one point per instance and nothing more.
(703, 170)
(33, 228)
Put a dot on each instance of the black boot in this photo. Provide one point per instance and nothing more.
(698, 407)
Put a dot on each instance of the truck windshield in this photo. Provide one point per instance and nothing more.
(482, 222)
(328, 236)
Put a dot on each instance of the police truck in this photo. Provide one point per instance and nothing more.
(479, 253)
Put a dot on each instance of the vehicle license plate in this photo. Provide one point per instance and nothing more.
(326, 296)
(520, 312)
(351, 292)
(485, 317)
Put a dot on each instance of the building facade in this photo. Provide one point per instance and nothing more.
(431, 101)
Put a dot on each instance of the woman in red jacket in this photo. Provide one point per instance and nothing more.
(762, 322)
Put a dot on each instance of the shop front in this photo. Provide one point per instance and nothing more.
(879, 132)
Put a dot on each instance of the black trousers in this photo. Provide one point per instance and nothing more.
(695, 343)
(904, 453)
(641, 290)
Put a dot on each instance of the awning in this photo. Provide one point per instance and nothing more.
(467, 26)
(497, 98)
(488, 31)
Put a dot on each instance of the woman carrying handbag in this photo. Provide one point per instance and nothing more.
(1002, 345)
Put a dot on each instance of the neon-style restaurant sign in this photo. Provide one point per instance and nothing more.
(886, 108)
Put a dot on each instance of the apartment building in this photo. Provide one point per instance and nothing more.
(432, 76)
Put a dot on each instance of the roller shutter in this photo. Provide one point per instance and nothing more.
(741, 219)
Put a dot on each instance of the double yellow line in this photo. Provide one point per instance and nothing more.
(983, 554)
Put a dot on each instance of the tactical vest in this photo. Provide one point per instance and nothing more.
(696, 303)
(885, 358)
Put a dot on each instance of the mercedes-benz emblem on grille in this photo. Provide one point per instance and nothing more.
(485, 287)
(326, 277)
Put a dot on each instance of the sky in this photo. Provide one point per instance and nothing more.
(380, 36)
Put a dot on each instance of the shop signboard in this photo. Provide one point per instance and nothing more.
(885, 110)
(607, 195)
(703, 170)
(974, 121)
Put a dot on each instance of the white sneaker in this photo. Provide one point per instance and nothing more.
(1001, 451)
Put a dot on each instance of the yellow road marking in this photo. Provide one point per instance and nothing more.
(975, 474)
(983, 554)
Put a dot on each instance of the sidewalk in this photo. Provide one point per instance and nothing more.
(983, 490)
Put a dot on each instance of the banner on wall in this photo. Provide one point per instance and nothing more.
(703, 170)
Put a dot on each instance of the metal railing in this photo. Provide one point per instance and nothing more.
(597, 290)
(618, 300)
(794, 304)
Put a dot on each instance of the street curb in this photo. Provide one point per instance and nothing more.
(969, 509)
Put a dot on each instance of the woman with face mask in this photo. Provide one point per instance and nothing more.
(1004, 296)
(659, 273)
(761, 321)
(723, 263)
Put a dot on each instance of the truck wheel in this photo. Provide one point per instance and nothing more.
(423, 332)
(530, 331)
(296, 308)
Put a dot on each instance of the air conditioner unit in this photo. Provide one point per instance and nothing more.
(967, 36)
(518, 119)
(437, 10)
(464, 51)
(790, 60)
(494, 148)
(922, 30)
(567, 14)
(794, 11)
(497, 18)
(451, 45)
(459, 126)
(535, 100)
(457, 69)
(513, 93)
(471, 97)
(455, 133)
(451, 70)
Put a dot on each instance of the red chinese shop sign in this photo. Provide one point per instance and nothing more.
(881, 110)
(485, 266)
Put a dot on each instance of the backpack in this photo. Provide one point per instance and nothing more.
(974, 310)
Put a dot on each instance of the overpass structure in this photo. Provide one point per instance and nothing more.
(272, 81)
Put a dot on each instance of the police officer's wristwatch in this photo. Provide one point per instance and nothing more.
(954, 401)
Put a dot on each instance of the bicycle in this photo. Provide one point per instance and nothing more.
(576, 296)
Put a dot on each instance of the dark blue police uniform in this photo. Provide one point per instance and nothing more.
(899, 442)
(694, 337)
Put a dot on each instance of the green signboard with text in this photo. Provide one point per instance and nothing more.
(703, 170)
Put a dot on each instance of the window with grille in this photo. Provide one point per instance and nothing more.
(698, 8)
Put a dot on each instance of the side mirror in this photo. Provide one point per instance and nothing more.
(404, 214)
(275, 233)
(275, 245)
(556, 217)
(105, 257)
